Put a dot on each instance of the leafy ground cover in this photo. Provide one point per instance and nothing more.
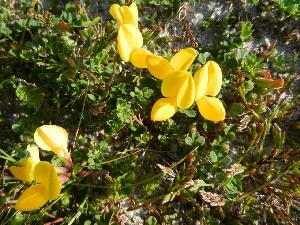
(60, 66)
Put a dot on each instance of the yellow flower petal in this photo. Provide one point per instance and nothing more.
(45, 173)
(211, 108)
(201, 79)
(130, 14)
(25, 171)
(34, 153)
(32, 198)
(134, 10)
(163, 109)
(173, 82)
(125, 14)
(214, 78)
(129, 38)
(158, 66)
(186, 93)
(116, 12)
(138, 57)
(51, 138)
(183, 59)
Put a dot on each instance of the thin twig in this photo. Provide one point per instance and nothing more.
(247, 194)
(81, 114)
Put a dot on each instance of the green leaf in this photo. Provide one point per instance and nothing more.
(87, 222)
(31, 96)
(17, 128)
(249, 86)
(268, 83)
(68, 42)
(87, 33)
(188, 112)
(91, 97)
(297, 192)
(228, 128)
(151, 220)
(197, 184)
(225, 161)
(169, 197)
(203, 57)
(4, 30)
(65, 200)
(241, 54)
(194, 139)
(246, 31)
(233, 186)
(236, 109)
(213, 157)
(123, 110)
(91, 23)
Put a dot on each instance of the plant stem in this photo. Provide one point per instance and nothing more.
(245, 195)
(267, 128)
(246, 103)
(251, 146)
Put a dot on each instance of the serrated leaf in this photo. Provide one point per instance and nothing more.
(31, 96)
(246, 31)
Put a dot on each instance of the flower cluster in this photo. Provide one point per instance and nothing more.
(47, 182)
(180, 89)
(129, 36)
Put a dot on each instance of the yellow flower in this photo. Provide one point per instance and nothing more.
(45, 173)
(25, 171)
(51, 138)
(160, 67)
(177, 85)
(129, 38)
(125, 14)
(54, 138)
(138, 57)
(208, 82)
(129, 45)
(163, 109)
(47, 188)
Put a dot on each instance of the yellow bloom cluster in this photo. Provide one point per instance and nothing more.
(47, 184)
(129, 36)
(179, 87)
